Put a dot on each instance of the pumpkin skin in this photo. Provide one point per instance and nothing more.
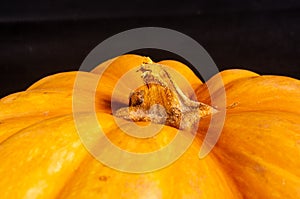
(257, 155)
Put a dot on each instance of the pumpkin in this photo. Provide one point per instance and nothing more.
(256, 156)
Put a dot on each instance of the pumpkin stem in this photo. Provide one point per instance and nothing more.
(161, 101)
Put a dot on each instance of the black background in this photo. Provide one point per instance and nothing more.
(40, 38)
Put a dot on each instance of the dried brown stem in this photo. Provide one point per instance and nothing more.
(161, 101)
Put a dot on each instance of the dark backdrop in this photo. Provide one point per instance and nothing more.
(39, 38)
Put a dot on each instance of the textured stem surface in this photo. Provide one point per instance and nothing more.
(161, 101)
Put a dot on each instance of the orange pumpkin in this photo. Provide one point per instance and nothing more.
(257, 155)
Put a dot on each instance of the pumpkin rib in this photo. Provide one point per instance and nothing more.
(111, 133)
(13, 125)
(217, 83)
(263, 90)
(289, 123)
(71, 178)
(58, 122)
(97, 179)
(7, 133)
(101, 67)
(248, 81)
(34, 103)
(56, 81)
(40, 102)
(231, 75)
(92, 174)
(229, 111)
(260, 152)
(43, 153)
(88, 155)
(228, 76)
(281, 175)
(122, 63)
(76, 183)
